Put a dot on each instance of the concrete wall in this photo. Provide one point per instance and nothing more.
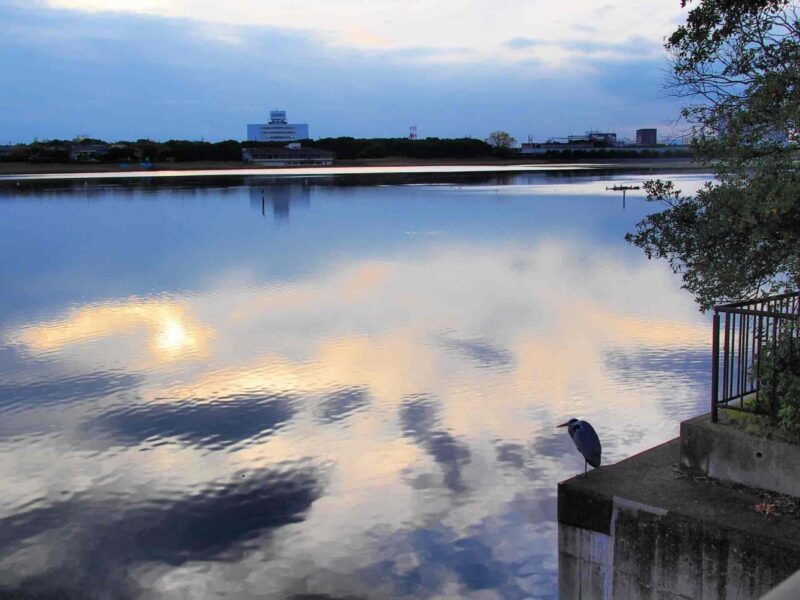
(666, 556)
(649, 553)
(585, 563)
(723, 452)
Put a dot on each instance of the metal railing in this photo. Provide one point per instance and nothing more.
(744, 332)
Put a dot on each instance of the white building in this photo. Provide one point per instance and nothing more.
(277, 130)
(291, 155)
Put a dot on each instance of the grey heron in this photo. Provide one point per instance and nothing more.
(586, 440)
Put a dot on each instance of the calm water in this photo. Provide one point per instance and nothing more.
(334, 387)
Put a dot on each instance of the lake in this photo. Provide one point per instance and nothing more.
(322, 387)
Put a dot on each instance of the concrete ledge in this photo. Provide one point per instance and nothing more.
(724, 452)
(641, 529)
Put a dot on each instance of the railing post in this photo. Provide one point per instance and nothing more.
(774, 405)
(715, 368)
(753, 330)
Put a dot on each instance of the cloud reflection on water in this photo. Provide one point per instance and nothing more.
(86, 544)
(163, 325)
(425, 385)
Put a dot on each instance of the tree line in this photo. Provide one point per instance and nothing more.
(345, 148)
(231, 150)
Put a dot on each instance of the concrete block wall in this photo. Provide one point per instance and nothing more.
(724, 452)
(585, 563)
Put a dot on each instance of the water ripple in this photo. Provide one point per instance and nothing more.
(105, 537)
(211, 423)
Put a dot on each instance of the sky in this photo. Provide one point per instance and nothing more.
(201, 69)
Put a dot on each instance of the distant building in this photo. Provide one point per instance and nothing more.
(291, 155)
(88, 152)
(594, 139)
(604, 142)
(555, 147)
(277, 130)
(646, 137)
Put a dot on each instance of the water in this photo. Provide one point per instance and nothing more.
(340, 387)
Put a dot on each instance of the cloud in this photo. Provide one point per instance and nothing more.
(521, 42)
(418, 417)
(478, 351)
(445, 24)
(104, 538)
(172, 77)
(64, 390)
(209, 423)
(341, 404)
(169, 332)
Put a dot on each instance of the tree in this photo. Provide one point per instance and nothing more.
(737, 62)
(500, 140)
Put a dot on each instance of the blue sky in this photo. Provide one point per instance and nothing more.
(200, 69)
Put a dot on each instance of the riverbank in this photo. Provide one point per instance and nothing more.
(11, 169)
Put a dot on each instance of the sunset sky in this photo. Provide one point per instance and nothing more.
(197, 69)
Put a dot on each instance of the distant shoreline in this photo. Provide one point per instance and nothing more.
(24, 168)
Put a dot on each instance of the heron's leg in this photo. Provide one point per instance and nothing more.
(584, 467)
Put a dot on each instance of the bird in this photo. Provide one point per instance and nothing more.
(586, 440)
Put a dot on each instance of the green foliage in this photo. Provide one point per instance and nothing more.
(738, 64)
(373, 150)
(501, 141)
(757, 424)
(778, 372)
(120, 153)
(19, 153)
(49, 151)
(732, 239)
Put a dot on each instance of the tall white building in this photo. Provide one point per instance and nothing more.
(277, 130)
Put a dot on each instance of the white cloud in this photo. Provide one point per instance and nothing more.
(558, 32)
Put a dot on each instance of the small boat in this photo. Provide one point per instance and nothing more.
(623, 188)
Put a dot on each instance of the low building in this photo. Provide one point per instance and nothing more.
(277, 130)
(88, 152)
(7, 151)
(291, 155)
(646, 137)
(553, 147)
(594, 139)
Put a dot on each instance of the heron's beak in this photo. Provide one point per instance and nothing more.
(563, 424)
